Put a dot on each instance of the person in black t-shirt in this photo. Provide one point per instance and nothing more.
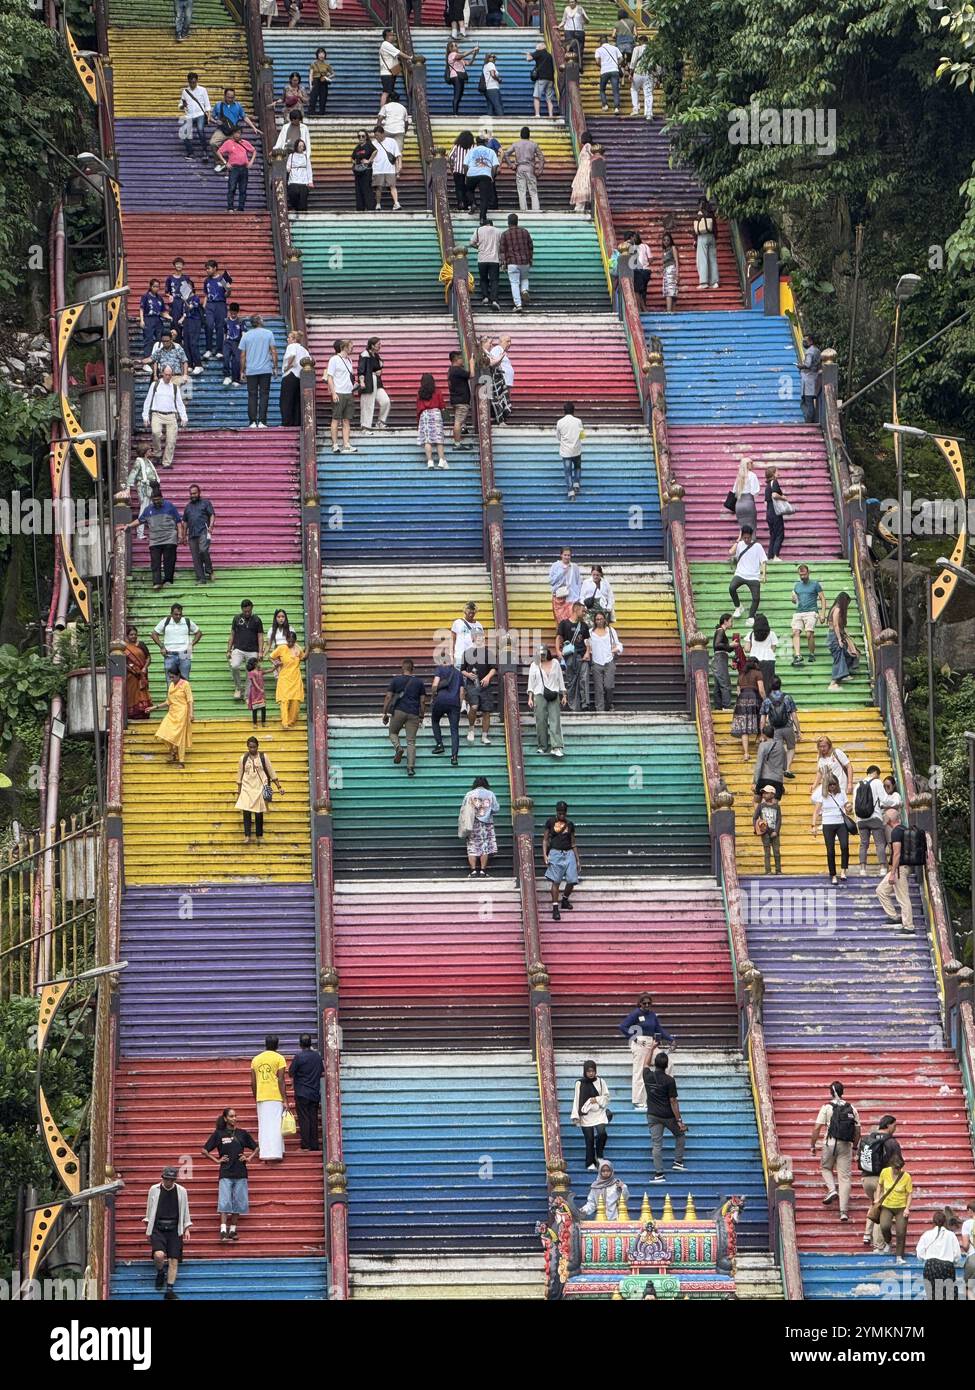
(561, 857)
(245, 642)
(663, 1112)
(446, 688)
(481, 683)
(403, 708)
(575, 653)
(459, 385)
(225, 1147)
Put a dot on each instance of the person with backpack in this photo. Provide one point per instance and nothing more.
(255, 779)
(778, 711)
(839, 1126)
(403, 709)
(246, 641)
(163, 412)
(875, 1152)
(892, 1209)
(907, 850)
(230, 118)
(176, 636)
(868, 800)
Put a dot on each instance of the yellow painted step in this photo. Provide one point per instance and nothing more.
(861, 736)
(149, 69)
(181, 826)
(377, 614)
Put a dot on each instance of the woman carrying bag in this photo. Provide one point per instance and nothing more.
(546, 694)
(842, 649)
(829, 811)
(777, 508)
(591, 1112)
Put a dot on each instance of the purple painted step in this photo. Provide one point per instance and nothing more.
(837, 973)
(211, 970)
(157, 176)
(638, 172)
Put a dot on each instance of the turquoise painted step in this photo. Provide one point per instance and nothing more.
(145, 14)
(723, 1154)
(863, 1277)
(807, 683)
(227, 1280)
(377, 504)
(727, 367)
(386, 823)
(567, 275)
(444, 1152)
(634, 790)
(617, 515)
(212, 607)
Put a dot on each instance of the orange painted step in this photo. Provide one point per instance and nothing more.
(153, 239)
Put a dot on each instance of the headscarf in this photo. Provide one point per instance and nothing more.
(601, 1184)
(588, 1089)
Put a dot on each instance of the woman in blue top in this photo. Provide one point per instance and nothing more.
(446, 690)
(152, 310)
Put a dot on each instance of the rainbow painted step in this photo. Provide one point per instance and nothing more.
(144, 86)
(152, 240)
(211, 405)
(158, 177)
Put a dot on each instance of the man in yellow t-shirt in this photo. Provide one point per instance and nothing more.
(894, 1193)
(267, 1087)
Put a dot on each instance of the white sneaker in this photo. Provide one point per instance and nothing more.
(227, 381)
(470, 736)
(261, 425)
(736, 613)
(147, 368)
(443, 464)
(557, 753)
(431, 464)
(749, 622)
(336, 449)
(253, 426)
(207, 355)
(197, 371)
(485, 739)
(350, 449)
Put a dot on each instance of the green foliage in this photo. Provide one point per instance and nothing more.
(28, 680)
(39, 86)
(67, 1084)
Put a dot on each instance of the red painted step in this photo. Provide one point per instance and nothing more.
(651, 224)
(410, 347)
(922, 1088)
(705, 459)
(243, 246)
(164, 1112)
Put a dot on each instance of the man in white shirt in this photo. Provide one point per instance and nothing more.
(176, 637)
(340, 380)
(163, 411)
(395, 121)
(839, 1125)
(467, 632)
(750, 562)
(385, 168)
(610, 60)
(194, 100)
(391, 63)
(492, 85)
(565, 581)
(293, 130)
(569, 433)
(606, 647)
(487, 242)
(597, 594)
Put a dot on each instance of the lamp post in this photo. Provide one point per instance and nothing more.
(905, 287)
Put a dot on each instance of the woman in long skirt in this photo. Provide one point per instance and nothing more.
(671, 270)
(138, 701)
(581, 193)
(176, 727)
(751, 693)
(255, 772)
(842, 648)
(290, 689)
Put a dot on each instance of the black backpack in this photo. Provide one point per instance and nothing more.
(448, 76)
(778, 715)
(482, 84)
(871, 1155)
(914, 851)
(842, 1122)
(863, 801)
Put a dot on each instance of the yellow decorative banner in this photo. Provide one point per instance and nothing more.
(945, 583)
(85, 74)
(78, 585)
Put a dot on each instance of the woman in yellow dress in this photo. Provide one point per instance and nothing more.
(175, 728)
(290, 689)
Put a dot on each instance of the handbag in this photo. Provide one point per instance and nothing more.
(848, 821)
(465, 819)
(267, 791)
(782, 507)
(550, 694)
(288, 1125)
(731, 501)
(873, 1213)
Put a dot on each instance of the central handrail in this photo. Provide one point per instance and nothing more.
(521, 803)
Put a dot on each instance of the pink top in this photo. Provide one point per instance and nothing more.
(255, 688)
(236, 152)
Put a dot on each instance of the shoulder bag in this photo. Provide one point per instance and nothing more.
(267, 791)
(874, 1213)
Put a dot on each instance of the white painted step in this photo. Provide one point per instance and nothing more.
(380, 1277)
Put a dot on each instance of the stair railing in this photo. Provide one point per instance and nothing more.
(651, 383)
(287, 260)
(510, 654)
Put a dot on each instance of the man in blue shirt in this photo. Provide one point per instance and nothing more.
(233, 331)
(258, 363)
(198, 519)
(480, 163)
(644, 1030)
(215, 286)
(809, 602)
(307, 1070)
(230, 117)
(403, 709)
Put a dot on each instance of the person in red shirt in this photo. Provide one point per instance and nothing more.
(429, 416)
(239, 156)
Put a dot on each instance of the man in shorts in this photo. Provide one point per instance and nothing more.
(809, 602)
(543, 77)
(168, 1225)
(481, 683)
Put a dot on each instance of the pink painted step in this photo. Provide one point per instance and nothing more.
(705, 460)
(650, 223)
(251, 477)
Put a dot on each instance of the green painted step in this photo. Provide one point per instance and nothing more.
(346, 263)
(212, 607)
(139, 14)
(388, 824)
(807, 683)
(634, 789)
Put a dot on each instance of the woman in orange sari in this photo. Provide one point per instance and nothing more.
(138, 701)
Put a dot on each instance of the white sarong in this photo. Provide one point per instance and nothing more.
(270, 1140)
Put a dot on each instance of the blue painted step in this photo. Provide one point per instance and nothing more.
(727, 367)
(722, 1156)
(227, 1281)
(862, 1277)
(839, 976)
(213, 406)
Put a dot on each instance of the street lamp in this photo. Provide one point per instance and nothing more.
(905, 287)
